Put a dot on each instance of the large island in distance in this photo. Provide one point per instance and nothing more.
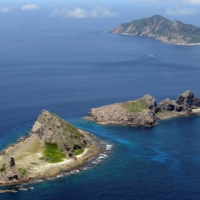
(53, 146)
(145, 111)
(173, 32)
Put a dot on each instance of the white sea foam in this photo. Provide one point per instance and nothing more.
(60, 175)
(39, 181)
(104, 155)
(85, 168)
(100, 158)
(108, 147)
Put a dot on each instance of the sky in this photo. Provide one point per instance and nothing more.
(112, 12)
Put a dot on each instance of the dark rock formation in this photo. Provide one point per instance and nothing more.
(10, 172)
(150, 102)
(52, 129)
(15, 177)
(169, 105)
(12, 162)
(187, 99)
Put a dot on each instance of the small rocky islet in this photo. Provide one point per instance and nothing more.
(145, 111)
(53, 146)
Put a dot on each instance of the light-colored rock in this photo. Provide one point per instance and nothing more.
(123, 113)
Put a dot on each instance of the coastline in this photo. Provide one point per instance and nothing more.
(112, 122)
(171, 114)
(161, 40)
(39, 169)
(163, 116)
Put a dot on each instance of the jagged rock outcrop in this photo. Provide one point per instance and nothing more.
(145, 111)
(169, 105)
(52, 129)
(159, 27)
(140, 112)
(10, 172)
(187, 99)
(150, 102)
(12, 162)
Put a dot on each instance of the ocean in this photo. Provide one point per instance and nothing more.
(72, 70)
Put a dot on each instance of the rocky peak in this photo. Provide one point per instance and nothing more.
(162, 29)
(150, 101)
(188, 99)
(169, 105)
(12, 162)
(50, 128)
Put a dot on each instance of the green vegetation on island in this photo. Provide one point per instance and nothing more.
(3, 168)
(51, 147)
(145, 111)
(23, 171)
(78, 152)
(159, 27)
(52, 153)
(135, 106)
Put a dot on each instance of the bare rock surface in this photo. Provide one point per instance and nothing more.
(145, 111)
(187, 99)
(139, 112)
(169, 105)
(150, 102)
(52, 129)
(25, 160)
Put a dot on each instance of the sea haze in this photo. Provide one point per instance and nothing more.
(70, 69)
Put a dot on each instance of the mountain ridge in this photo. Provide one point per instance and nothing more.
(161, 28)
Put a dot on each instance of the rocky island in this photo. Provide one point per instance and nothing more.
(53, 146)
(173, 32)
(145, 111)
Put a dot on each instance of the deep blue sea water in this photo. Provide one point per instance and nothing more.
(69, 72)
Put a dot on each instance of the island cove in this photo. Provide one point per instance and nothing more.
(160, 28)
(53, 146)
(145, 111)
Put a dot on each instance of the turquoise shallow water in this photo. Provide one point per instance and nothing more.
(143, 163)
(69, 73)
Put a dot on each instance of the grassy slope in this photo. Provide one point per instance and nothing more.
(78, 152)
(52, 153)
(135, 106)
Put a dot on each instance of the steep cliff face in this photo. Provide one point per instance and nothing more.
(52, 140)
(145, 111)
(187, 99)
(184, 102)
(162, 29)
(139, 112)
(52, 129)
(169, 105)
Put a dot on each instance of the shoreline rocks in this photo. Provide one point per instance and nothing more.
(126, 113)
(145, 111)
(24, 161)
